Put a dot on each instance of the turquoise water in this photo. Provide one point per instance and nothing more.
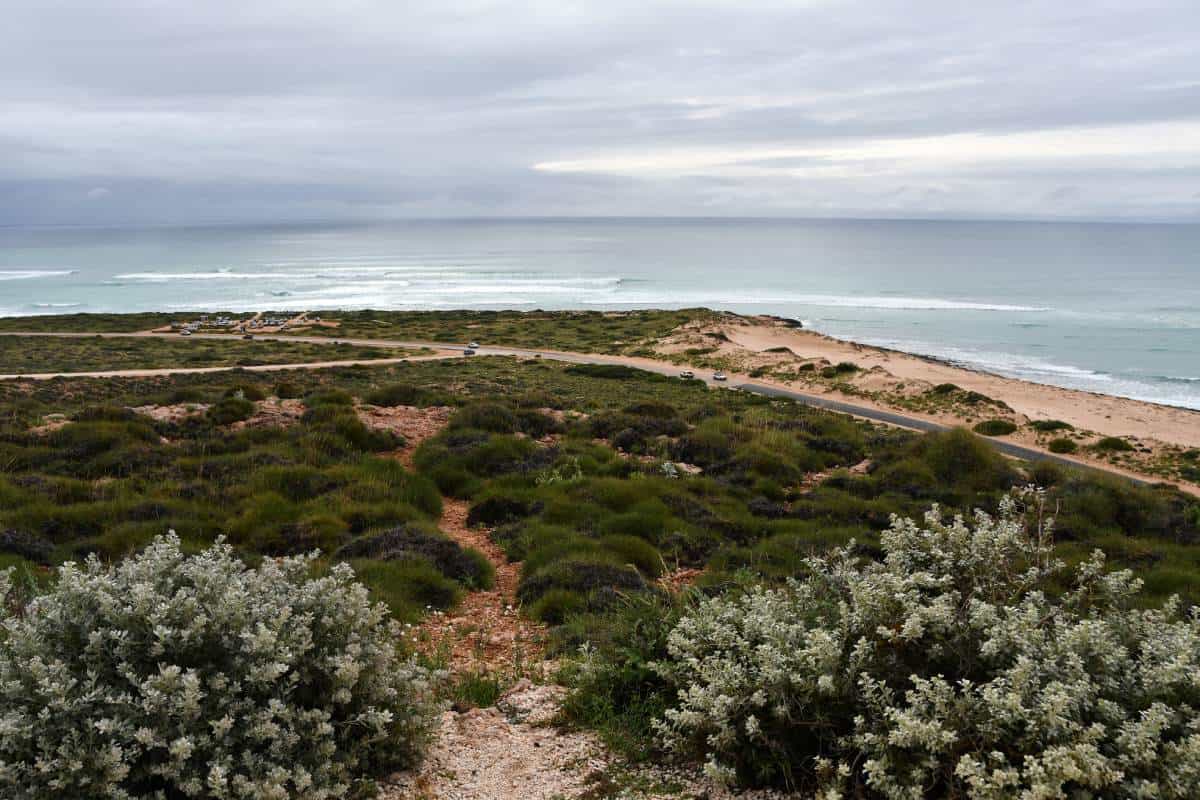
(1109, 308)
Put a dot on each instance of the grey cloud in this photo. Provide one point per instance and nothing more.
(261, 109)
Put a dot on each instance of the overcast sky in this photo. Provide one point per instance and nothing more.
(228, 110)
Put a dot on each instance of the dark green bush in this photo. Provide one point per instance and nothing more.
(995, 427)
(1062, 445)
(286, 390)
(408, 587)
(1050, 425)
(27, 545)
(556, 605)
(1113, 444)
(417, 540)
(485, 416)
(229, 410)
(610, 371)
(247, 391)
(329, 397)
(499, 507)
(621, 694)
(595, 577)
(395, 394)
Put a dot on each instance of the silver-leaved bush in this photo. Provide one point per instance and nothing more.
(966, 663)
(171, 675)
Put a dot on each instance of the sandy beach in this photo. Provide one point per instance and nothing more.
(772, 350)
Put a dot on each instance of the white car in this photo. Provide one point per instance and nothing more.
(473, 345)
(687, 374)
(719, 376)
(185, 332)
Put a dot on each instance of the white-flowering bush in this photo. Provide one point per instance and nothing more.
(172, 676)
(968, 663)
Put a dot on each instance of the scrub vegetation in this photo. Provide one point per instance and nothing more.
(35, 354)
(647, 512)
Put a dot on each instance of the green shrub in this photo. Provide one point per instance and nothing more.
(229, 410)
(1051, 425)
(995, 427)
(610, 371)
(408, 587)
(1113, 444)
(555, 605)
(421, 540)
(634, 551)
(934, 667)
(616, 688)
(246, 391)
(486, 416)
(27, 545)
(286, 390)
(595, 577)
(156, 677)
(1062, 445)
(329, 397)
(395, 394)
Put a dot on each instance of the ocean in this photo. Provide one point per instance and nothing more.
(1112, 308)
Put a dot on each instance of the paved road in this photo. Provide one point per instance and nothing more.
(452, 350)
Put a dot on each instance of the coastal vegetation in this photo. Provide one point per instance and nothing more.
(170, 674)
(52, 354)
(650, 518)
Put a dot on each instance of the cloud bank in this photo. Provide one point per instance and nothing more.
(173, 111)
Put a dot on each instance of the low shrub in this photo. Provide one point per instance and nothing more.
(1051, 425)
(26, 545)
(994, 427)
(610, 371)
(1113, 444)
(616, 688)
(395, 394)
(229, 410)
(422, 540)
(556, 605)
(409, 587)
(329, 397)
(193, 676)
(595, 577)
(286, 390)
(246, 391)
(486, 416)
(945, 669)
(1062, 445)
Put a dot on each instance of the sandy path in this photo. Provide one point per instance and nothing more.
(485, 632)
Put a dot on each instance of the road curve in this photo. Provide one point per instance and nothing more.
(452, 350)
